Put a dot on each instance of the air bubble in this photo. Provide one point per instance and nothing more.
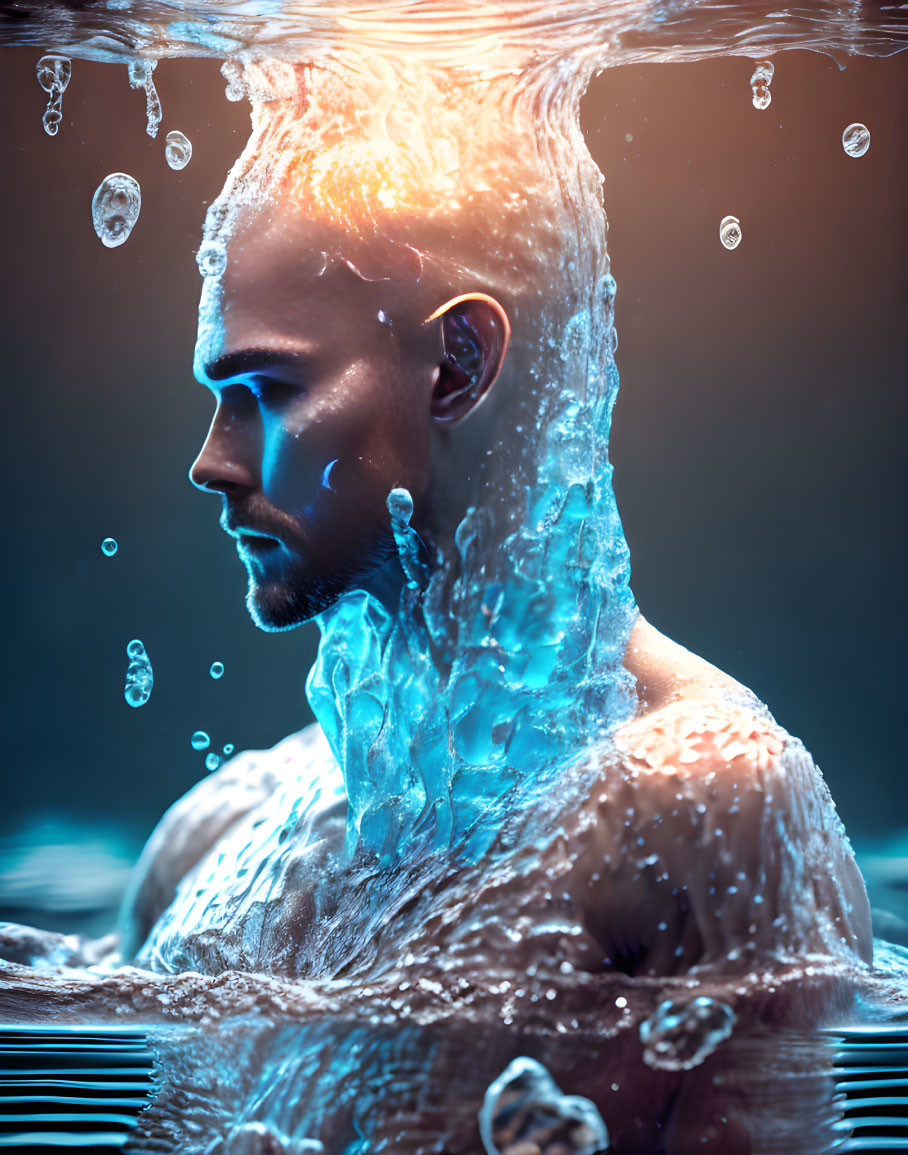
(856, 139)
(109, 546)
(200, 740)
(53, 72)
(524, 1106)
(212, 259)
(177, 150)
(140, 77)
(115, 208)
(680, 1035)
(233, 74)
(217, 670)
(139, 675)
(212, 761)
(730, 232)
(760, 82)
(228, 749)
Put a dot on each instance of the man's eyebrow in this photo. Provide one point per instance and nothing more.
(243, 362)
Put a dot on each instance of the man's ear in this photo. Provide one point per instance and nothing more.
(476, 332)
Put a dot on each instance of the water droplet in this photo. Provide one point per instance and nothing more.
(177, 150)
(200, 740)
(139, 674)
(681, 1034)
(212, 259)
(233, 74)
(115, 208)
(760, 82)
(525, 1101)
(53, 72)
(212, 761)
(217, 670)
(109, 546)
(140, 77)
(228, 749)
(730, 232)
(856, 139)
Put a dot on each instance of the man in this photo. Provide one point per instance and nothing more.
(407, 332)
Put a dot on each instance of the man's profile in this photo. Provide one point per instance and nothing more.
(408, 339)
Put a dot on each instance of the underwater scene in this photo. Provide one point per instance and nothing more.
(416, 742)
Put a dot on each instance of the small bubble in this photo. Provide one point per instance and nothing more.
(856, 139)
(53, 74)
(115, 208)
(730, 232)
(177, 150)
(228, 749)
(200, 740)
(233, 74)
(139, 72)
(217, 670)
(139, 674)
(109, 546)
(760, 82)
(212, 259)
(628, 136)
(212, 761)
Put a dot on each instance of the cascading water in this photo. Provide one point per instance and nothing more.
(387, 927)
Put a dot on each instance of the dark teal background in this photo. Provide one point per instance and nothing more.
(758, 440)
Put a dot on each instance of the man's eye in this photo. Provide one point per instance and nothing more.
(273, 393)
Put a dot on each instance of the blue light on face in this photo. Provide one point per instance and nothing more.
(326, 475)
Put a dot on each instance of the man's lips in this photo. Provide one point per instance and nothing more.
(253, 540)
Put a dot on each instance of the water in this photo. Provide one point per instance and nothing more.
(389, 918)
(200, 740)
(856, 140)
(139, 72)
(730, 232)
(216, 670)
(760, 80)
(54, 74)
(115, 208)
(109, 546)
(139, 674)
(178, 151)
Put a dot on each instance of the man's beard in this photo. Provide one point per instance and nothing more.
(277, 604)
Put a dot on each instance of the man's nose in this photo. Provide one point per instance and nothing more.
(230, 459)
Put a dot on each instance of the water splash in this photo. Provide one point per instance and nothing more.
(109, 546)
(856, 139)
(200, 740)
(232, 71)
(684, 1032)
(730, 232)
(139, 72)
(53, 72)
(760, 80)
(525, 1111)
(212, 259)
(177, 150)
(139, 674)
(115, 208)
(217, 670)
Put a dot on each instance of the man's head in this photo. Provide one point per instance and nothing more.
(371, 260)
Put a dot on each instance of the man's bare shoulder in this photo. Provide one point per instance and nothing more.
(204, 815)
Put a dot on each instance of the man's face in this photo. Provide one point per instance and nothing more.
(323, 406)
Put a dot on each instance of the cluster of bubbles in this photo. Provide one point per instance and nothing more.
(232, 71)
(115, 208)
(109, 546)
(684, 1032)
(730, 232)
(53, 73)
(139, 674)
(856, 139)
(200, 741)
(140, 77)
(524, 1110)
(759, 83)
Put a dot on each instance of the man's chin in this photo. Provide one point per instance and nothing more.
(274, 608)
